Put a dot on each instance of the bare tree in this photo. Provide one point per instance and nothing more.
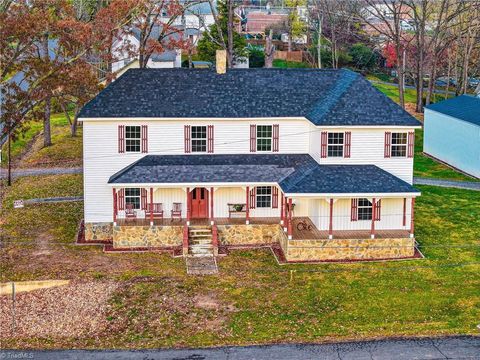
(385, 16)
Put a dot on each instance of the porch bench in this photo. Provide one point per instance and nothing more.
(234, 209)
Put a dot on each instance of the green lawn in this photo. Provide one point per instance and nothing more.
(28, 148)
(254, 300)
(425, 166)
(284, 64)
(392, 92)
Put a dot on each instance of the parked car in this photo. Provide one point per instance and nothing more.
(443, 81)
(473, 82)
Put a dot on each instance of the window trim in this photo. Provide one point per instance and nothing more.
(257, 138)
(342, 145)
(198, 139)
(359, 207)
(130, 138)
(405, 133)
(257, 195)
(139, 196)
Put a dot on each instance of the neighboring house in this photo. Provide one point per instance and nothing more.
(452, 133)
(317, 164)
(167, 59)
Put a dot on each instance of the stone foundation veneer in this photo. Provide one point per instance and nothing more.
(348, 249)
(98, 231)
(147, 236)
(249, 234)
(256, 234)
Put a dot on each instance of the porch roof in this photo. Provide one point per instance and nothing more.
(294, 173)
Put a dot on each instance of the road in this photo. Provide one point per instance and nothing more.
(405, 349)
(16, 173)
(436, 91)
(470, 185)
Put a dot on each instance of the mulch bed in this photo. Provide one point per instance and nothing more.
(74, 310)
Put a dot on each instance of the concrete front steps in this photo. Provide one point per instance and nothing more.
(200, 241)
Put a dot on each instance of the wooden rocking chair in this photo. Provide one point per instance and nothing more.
(176, 212)
(157, 209)
(130, 212)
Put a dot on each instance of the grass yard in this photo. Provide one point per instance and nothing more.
(253, 300)
(284, 64)
(392, 92)
(28, 149)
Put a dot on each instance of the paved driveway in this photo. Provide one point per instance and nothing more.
(407, 349)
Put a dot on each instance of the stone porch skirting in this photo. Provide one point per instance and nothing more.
(348, 249)
(254, 235)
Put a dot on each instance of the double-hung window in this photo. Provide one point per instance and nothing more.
(264, 137)
(132, 196)
(335, 144)
(132, 138)
(264, 197)
(199, 138)
(365, 209)
(399, 144)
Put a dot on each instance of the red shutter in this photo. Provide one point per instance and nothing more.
(324, 139)
(276, 135)
(143, 198)
(121, 138)
(388, 144)
(348, 139)
(187, 138)
(354, 212)
(121, 199)
(274, 197)
(411, 143)
(253, 201)
(210, 138)
(378, 210)
(144, 139)
(253, 138)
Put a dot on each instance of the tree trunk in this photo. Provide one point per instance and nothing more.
(74, 126)
(269, 50)
(9, 180)
(319, 42)
(230, 34)
(447, 90)
(401, 80)
(47, 136)
(431, 82)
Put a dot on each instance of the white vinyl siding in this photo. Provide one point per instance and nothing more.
(101, 158)
(367, 147)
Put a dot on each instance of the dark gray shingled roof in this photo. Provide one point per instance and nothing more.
(464, 107)
(325, 97)
(295, 173)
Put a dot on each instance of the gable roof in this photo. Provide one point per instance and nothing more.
(464, 107)
(325, 97)
(295, 173)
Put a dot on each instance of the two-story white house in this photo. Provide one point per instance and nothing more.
(316, 164)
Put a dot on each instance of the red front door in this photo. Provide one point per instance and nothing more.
(199, 203)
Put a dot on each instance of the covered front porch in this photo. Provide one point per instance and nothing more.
(221, 200)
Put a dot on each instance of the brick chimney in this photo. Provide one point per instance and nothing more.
(221, 61)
